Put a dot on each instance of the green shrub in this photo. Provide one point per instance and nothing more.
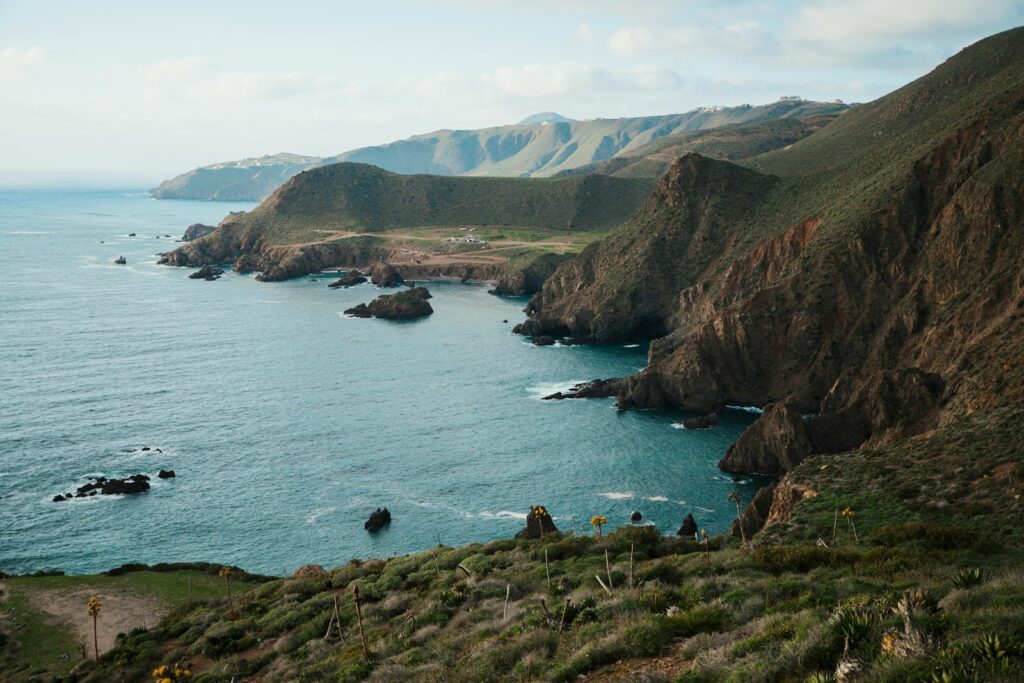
(800, 558)
(967, 578)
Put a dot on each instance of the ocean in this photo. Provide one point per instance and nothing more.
(286, 422)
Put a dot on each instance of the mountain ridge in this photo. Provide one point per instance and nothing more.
(511, 150)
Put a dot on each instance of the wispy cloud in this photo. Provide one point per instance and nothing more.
(14, 61)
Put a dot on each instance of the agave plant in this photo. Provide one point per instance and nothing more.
(853, 623)
(968, 578)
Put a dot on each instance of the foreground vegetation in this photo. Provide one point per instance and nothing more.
(896, 602)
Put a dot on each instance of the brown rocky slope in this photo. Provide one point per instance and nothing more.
(870, 275)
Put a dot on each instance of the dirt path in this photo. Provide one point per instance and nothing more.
(120, 613)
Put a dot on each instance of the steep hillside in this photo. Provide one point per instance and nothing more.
(870, 274)
(330, 216)
(536, 147)
(248, 179)
(731, 143)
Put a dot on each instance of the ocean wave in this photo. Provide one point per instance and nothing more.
(630, 346)
(731, 480)
(618, 495)
(747, 409)
(28, 232)
(656, 499)
(500, 514)
(317, 514)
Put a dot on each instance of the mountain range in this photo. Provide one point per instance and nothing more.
(540, 145)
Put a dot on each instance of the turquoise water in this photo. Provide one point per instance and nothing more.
(286, 422)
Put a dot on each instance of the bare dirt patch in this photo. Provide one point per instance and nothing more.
(121, 612)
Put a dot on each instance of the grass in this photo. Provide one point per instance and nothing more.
(762, 616)
(42, 645)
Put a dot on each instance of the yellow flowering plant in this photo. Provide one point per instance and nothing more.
(598, 521)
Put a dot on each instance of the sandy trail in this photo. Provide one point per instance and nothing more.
(120, 613)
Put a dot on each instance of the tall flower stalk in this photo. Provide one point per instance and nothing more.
(93, 610)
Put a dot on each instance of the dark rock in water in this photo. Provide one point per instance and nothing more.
(195, 231)
(709, 420)
(58, 498)
(144, 448)
(246, 263)
(598, 388)
(379, 519)
(543, 340)
(402, 306)
(385, 275)
(131, 234)
(538, 523)
(166, 474)
(689, 526)
(349, 279)
(120, 260)
(505, 320)
(636, 516)
(360, 311)
(137, 483)
(208, 273)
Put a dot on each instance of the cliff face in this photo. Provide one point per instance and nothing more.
(882, 292)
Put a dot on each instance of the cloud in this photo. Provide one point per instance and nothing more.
(198, 80)
(14, 61)
(586, 34)
(630, 40)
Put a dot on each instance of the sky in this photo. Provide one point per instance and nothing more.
(155, 89)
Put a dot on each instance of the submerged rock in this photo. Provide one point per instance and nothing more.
(379, 518)
(703, 422)
(137, 483)
(195, 231)
(688, 527)
(538, 523)
(166, 474)
(349, 279)
(208, 273)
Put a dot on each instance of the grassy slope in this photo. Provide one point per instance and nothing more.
(41, 645)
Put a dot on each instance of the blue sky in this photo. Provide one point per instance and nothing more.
(157, 88)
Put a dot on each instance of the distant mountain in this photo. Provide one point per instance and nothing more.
(544, 118)
(525, 149)
(248, 179)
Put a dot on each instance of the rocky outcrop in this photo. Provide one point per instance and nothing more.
(754, 516)
(166, 474)
(137, 483)
(197, 230)
(120, 260)
(598, 388)
(636, 517)
(538, 523)
(246, 263)
(359, 311)
(386, 275)
(407, 305)
(774, 444)
(688, 528)
(524, 276)
(349, 279)
(543, 340)
(379, 518)
(208, 273)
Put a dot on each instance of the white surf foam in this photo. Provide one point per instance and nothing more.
(539, 391)
(618, 495)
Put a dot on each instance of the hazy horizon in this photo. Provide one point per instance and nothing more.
(149, 92)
